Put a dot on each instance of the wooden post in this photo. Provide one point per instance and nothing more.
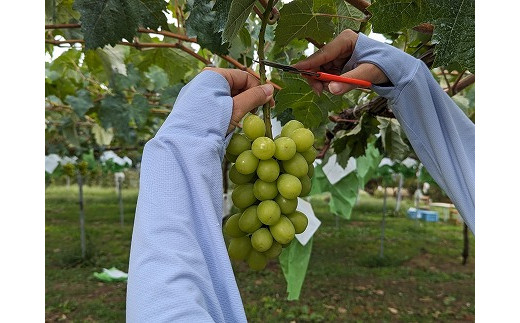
(465, 251)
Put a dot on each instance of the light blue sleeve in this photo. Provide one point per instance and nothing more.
(179, 269)
(442, 136)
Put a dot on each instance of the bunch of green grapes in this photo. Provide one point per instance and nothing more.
(269, 175)
(69, 169)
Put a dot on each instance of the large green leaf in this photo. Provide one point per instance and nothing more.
(81, 102)
(298, 19)
(367, 165)
(152, 14)
(239, 11)
(173, 61)
(114, 113)
(139, 109)
(392, 137)
(294, 261)
(353, 143)
(320, 182)
(348, 17)
(106, 22)
(307, 107)
(157, 77)
(202, 22)
(343, 195)
(454, 22)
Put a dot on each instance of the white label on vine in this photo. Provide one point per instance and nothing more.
(335, 172)
(306, 208)
(51, 162)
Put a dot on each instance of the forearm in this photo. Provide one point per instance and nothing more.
(442, 136)
(179, 267)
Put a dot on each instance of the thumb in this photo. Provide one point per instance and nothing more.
(249, 100)
(365, 71)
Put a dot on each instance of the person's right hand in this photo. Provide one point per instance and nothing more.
(332, 57)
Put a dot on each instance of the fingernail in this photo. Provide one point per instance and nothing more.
(268, 89)
(335, 87)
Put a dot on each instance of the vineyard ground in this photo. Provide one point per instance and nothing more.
(421, 278)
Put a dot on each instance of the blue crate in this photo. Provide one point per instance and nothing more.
(428, 216)
(412, 213)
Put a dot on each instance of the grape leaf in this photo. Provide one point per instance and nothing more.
(103, 137)
(157, 77)
(294, 261)
(343, 195)
(344, 10)
(299, 20)
(81, 102)
(152, 14)
(392, 137)
(174, 62)
(114, 113)
(139, 109)
(240, 10)
(169, 95)
(107, 22)
(307, 107)
(320, 182)
(454, 23)
(367, 165)
(201, 23)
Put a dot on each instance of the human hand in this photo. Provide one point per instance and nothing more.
(246, 91)
(332, 57)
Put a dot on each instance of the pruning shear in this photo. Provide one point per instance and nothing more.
(317, 75)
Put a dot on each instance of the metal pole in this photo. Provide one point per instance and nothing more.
(81, 218)
(121, 212)
(381, 250)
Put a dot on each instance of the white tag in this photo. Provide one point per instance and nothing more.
(276, 127)
(51, 162)
(227, 204)
(334, 172)
(313, 225)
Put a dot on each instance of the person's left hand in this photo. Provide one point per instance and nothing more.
(246, 91)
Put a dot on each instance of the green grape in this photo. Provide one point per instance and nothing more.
(265, 190)
(243, 196)
(303, 138)
(274, 251)
(306, 185)
(249, 221)
(287, 206)
(310, 173)
(283, 230)
(296, 166)
(238, 178)
(289, 186)
(262, 239)
(268, 170)
(231, 228)
(256, 260)
(83, 168)
(246, 162)
(263, 148)
(253, 127)
(239, 248)
(231, 158)
(310, 155)
(299, 221)
(69, 169)
(290, 126)
(238, 144)
(285, 148)
(268, 212)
